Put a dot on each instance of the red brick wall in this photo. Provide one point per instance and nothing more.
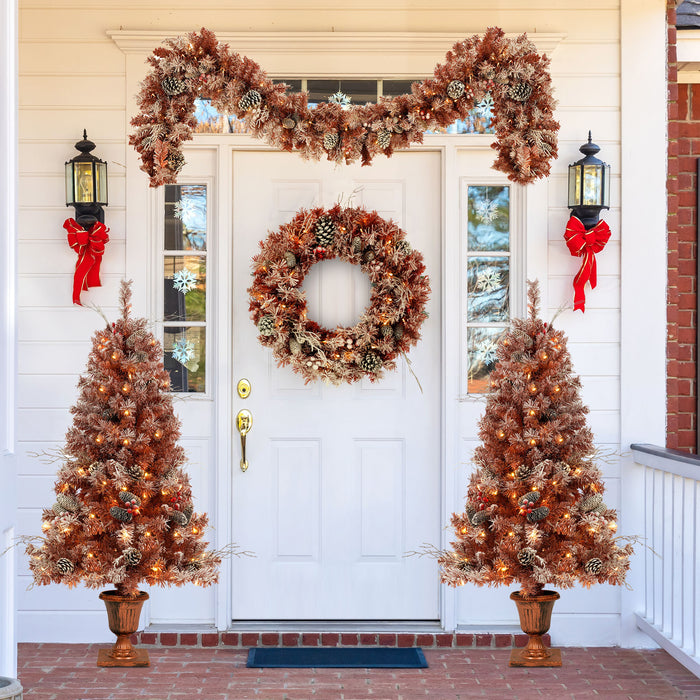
(683, 152)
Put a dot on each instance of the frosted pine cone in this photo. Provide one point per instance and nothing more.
(176, 161)
(68, 502)
(120, 514)
(455, 89)
(398, 331)
(481, 516)
(266, 325)
(290, 259)
(530, 497)
(179, 517)
(251, 99)
(289, 123)
(172, 85)
(520, 92)
(403, 246)
(370, 362)
(58, 509)
(384, 139)
(538, 514)
(526, 556)
(523, 471)
(134, 471)
(325, 230)
(593, 566)
(591, 503)
(330, 140)
(65, 566)
(132, 556)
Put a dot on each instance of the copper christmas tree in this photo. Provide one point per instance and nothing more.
(123, 512)
(535, 513)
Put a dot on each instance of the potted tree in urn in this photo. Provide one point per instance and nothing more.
(123, 513)
(535, 514)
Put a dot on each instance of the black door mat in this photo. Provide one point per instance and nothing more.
(336, 657)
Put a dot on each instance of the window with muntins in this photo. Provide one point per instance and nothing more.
(488, 260)
(185, 286)
(345, 91)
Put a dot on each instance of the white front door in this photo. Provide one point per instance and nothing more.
(343, 481)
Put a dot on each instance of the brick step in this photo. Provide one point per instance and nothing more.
(238, 640)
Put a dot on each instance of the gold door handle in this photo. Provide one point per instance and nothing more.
(244, 422)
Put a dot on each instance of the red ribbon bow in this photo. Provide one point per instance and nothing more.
(585, 244)
(90, 247)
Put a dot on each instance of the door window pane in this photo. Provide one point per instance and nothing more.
(488, 218)
(185, 217)
(184, 288)
(185, 357)
(487, 289)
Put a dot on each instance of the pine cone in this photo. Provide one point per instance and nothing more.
(172, 85)
(370, 362)
(193, 565)
(179, 517)
(600, 509)
(529, 497)
(384, 139)
(591, 503)
(403, 246)
(134, 471)
(593, 566)
(356, 245)
(68, 502)
(251, 99)
(290, 259)
(520, 92)
(481, 516)
(386, 330)
(176, 161)
(65, 566)
(330, 140)
(294, 346)
(127, 497)
(538, 514)
(188, 510)
(135, 337)
(289, 123)
(132, 556)
(140, 356)
(455, 89)
(398, 331)
(266, 325)
(526, 556)
(369, 256)
(120, 514)
(325, 230)
(58, 509)
(523, 471)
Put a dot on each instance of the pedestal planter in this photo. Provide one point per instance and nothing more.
(123, 614)
(10, 689)
(535, 617)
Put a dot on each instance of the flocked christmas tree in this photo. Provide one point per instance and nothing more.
(123, 512)
(535, 513)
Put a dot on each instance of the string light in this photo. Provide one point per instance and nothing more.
(557, 388)
(99, 439)
(102, 389)
(126, 388)
(464, 530)
(532, 388)
(157, 435)
(45, 526)
(612, 525)
(114, 356)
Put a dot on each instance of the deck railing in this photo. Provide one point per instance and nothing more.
(671, 609)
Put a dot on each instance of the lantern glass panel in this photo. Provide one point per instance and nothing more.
(84, 183)
(69, 184)
(606, 186)
(592, 184)
(574, 185)
(101, 182)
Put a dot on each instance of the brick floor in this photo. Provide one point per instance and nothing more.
(69, 672)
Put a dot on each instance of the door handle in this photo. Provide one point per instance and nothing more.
(244, 422)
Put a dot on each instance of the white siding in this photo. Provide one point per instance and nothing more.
(72, 76)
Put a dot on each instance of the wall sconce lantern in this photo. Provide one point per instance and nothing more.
(589, 185)
(86, 184)
(586, 235)
(86, 190)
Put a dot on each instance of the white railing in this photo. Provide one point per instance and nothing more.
(671, 612)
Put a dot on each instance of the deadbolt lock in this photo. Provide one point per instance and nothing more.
(243, 388)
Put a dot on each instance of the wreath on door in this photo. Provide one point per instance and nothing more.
(390, 325)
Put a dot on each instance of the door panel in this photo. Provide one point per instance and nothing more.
(342, 480)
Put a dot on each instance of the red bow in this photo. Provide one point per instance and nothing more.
(90, 247)
(585, 244)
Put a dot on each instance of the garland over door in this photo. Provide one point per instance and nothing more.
(342, 481)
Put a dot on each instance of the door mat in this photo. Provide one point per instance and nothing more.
(336, 657)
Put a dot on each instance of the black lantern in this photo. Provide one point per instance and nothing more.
(86, 184)
(589, 185)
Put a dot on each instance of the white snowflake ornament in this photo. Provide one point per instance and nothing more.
(488, 281)
(487, 211)
(339, 98)
(184, 281)
(183, 350)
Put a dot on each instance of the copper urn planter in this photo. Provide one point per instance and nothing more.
(535, 617)
(123, 614)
